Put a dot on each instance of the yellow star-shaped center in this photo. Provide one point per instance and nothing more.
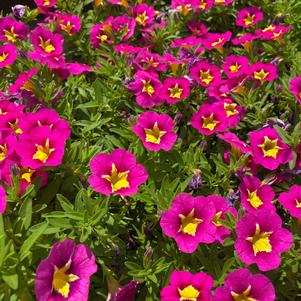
(117, 179)
(176, 91)
(189, 293)
(189, 223)
(270, 147)
(209, 122)
(43, 151)
(244, 296)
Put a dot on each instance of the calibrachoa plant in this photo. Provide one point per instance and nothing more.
(150, 150)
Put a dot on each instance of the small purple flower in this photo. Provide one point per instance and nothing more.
(18, 11)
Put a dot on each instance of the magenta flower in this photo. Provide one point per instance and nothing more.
(268, 149)
(235, 142)
(255, 195)
(248, 17)
(205, 4)
(147, 89)
(155, 131)
(222, 208)
(273, 32)
(8, 143)
(245, 40)
(7, 107)
(184, 6)
(186, 42)
(185, 286)
(65, 273)
(236, 65)
(45, 4)
(263, 72)
(233, 111)
(175, 89)
(12, 30)
(101, 33)
(223, 2)
(8, 55)
(23, 82)
(146, 60)
(2, 199)
(216, 40)
(127, 49)
(10, 121)
(117, 173)
(261, 239)
(188, 221)
(45, 43)
(205, 74)
(68, 69)
(67, 24)
(41, 147)
(242, 285)
(209, 119)
(143, 14)
(295, 87)
(198, 29)
(125, 293)
(291, 201)
(124, 26)
(45, 117)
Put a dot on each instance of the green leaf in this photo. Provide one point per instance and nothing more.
(25, 212)
(11, 280)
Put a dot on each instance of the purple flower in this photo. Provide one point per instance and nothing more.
(65, 273)
(18, 11)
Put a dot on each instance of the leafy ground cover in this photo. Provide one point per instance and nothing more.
(150, 151)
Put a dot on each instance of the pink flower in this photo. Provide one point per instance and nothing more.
(45, 117)
(261, 239)
(242, 285)
(44, 4)
(245, 40)
(273, 32)
(155, 131)
(186, 286)
(295, 87)
(205, 4)
(7, 107)
(23, 82)
(146, 60)
(186, 42)
(205, 74)
(236, 65)
(198, 29)
(222, 208)
(8, 55)
(216, 40)
(188, 221)
(184, 6)
(2, 200)
(12, 30)
(263, 72)
(68, 69)
(45, 43)
(10, 121)
(235, 142)
(123, 26)
(175, 89)
(8, 143)
(223, 2)
(147, 88)
(67, 24)
(143, 14)
(256, 195)
(41, 147)
(291, 200)
(209, 120)
(127, 49)
(248, 17)
(117, 173)
(268, 149)
(101, 33)
(233, 111)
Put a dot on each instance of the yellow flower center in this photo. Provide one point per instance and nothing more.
(3, 57)
(270, 147)
(188, 293)
(220, 40)
(260, 241)
(230, 109)
(10, 35)
(249, 20)
(147, 87)
(117, 179)
(2, 112)
(244, 296)
(206, 77)
(154, 135)
(61, 280)
(102, 38)
(3, 151)
(175, 92)
(141, 18)
(15, 127)
(46, 45)
(46, 2)
(67, 28)
(234, 68)
(150, 62)
(189, 223)
(185, 9)
(203, 4)
(209, 122)
(217, 218)
(269, 28)
(43, 152)
(26, 174)
(261, 75)
(253, 198)
(298, 203)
